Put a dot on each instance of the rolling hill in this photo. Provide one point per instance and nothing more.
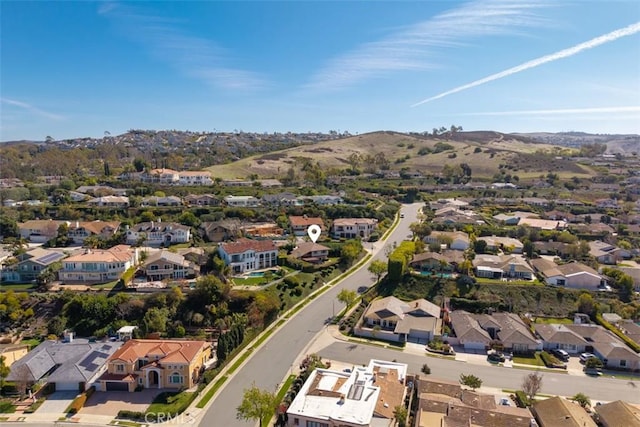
(485, 152)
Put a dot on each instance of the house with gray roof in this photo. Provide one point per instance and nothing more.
(73, 365)
(166, 265)
(572, 275)
(414, 321)
(502, 266)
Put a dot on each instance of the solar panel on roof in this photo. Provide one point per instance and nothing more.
(49, 258)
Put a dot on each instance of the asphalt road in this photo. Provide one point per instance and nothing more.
(269, 366)
(604, 389)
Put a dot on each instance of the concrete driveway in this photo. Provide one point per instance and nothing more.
(57, 403)
(111, 402)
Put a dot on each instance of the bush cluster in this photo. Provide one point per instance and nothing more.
(550, 360)
(521, 399)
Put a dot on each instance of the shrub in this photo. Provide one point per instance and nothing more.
(632, 344)
(133, 415)
(77, 404)
(522, 401)
(550, 360)
(426, 369)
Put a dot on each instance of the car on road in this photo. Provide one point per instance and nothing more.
(586, 356)
(401, 215)
(560, 354)
(593, 372)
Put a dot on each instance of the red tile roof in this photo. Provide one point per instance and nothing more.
(244, 245)
(304, 221)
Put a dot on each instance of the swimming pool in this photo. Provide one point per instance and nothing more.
(442, 275)
(256, 274)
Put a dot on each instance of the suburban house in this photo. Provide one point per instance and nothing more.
(98, 265)
(101, 190)
(281, 199)
(161, 176)
(221, 231)
(543, 224)
(162, 201)
(161, 265)
(201, 200)
(507, 219)
(365, 396)
(299, 224)
(444, 403)
(558, 412)
(311, 252)
(194, 178)
(562, 337)
(110, 202)
(242, 201)
(158, 233)
(606, 253)
(247, 255)
(571, 275)
(175, 364)
(480, 331)
(39, 230)
(618, 413)
(73, 364)
(431, 262)
(502, 267)
(321, 200)
(351, 228)
(30, 264)
(456, 240)
(505, 244)
(395, 320)
(80, 230)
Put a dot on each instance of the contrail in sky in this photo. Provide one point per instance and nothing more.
(565, 53)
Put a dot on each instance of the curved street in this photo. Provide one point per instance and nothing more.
(277, 358)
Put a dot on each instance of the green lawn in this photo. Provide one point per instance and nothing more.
(535, 360)
(6, 407)
(171, 402)
(209, 394)
(31, 342)
(16, 286)
(106, 286)
(561, 320)
(249, 281)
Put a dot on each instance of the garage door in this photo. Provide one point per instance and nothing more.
(67, 386)
(117, 386)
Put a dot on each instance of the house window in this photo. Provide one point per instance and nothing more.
(175, 378)
(140, 380)
(296, 421)
(119, 368)
(560, 282)
(316, 424)
(623, 363)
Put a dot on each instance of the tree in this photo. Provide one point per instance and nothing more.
(586, 304)
(56, 325)
(350, 251)
(582, 399)
(426, 369)
(531, 384)
(347, 297)
(400, 415)
(470, 381)
(156, 319)
(378, 268)
(593, 363)
(4, 371)
(256, 404)
(480, 246)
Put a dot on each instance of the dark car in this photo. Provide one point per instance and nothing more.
(560, 354)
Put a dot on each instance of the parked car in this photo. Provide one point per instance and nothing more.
(586, 356)
(560, 354)
(505, 401)
(594, 372)
(495, 357)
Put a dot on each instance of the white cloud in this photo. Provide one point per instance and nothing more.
(32, 109)
(565, 53)
(413, 47)
(193, 56)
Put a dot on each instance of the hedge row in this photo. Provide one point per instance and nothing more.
(77, 404)
(628, 341)
(522, 401)
(550, 360)
(132, 415)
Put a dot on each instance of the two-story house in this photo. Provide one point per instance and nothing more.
(162, 176)
(28, 266)
(159, 364)
(80, 230)
(195, 178)
(158, 233)
(98, 265)
(350, 228)
(247, 255)
(300, 224)
(39, 230)
(311, 252)
(163, 264)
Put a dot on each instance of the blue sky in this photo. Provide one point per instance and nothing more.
(73, 69)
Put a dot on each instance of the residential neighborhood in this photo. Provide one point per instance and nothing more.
(150, 286)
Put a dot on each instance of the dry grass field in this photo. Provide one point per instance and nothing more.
(484, 152)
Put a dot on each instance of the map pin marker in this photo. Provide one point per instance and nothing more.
(314, 232)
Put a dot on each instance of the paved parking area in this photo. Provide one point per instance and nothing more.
(111, 402)
(57, 403)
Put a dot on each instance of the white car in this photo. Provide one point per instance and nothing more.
(586, 356)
